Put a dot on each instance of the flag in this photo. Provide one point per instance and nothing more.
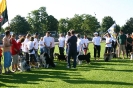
(3, 13)
(111, 30)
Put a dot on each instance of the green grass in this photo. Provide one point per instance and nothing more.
(118, 73)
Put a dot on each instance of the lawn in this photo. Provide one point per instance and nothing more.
(118, 73)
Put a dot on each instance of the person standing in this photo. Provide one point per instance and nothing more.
(47, 43)
(129, 45)
(41, 45)
(122, 42)
(66, 45)
(14, 51)
(72, 49)
(52, 48)
(97, 47)
(6, 52)
(86, 44)
(61, 44)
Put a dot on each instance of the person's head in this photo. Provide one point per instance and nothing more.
(78, 35)
(128, 35)
(41, 38)
(21, 39)
(7, 33)
(85, 36)
(31, 38)
(61, 35)
(47, 33)
(68, 33)
(95, 34)
(36, 35)
(28, 36)
(13, 35)
(72, 32)
(121, 32)
(108, 35)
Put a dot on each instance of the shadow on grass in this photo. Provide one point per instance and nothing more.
(97, 82)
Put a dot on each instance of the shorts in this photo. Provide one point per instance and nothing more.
(122, 48)
(7, 59)
(14, 59)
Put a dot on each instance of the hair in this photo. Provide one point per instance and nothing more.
(48, 32)
(28, 35)
(21, 39)
(72, 32)
(7, 32)
(121, 30)
(31, 38)
(78, 35)
(61, 34)
(13, 35)
(68, 33)
(109, 34)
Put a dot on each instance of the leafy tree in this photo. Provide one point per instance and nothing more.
(19, 25)
(128, 27)
(107, 22)
(52, 23)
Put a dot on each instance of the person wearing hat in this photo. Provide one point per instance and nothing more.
(97, 47)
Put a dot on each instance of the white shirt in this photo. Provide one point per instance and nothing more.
(53, 44)
(79, 44)
(67, 37)
(61, 42)
(41, 44)
(47, 41)
(96, 40)
(109, 40)
(36, 43)
(24, 48)
(30, 45)
(86, 41)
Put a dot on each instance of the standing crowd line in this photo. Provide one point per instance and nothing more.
(28, 46)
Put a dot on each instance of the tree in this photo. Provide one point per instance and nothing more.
(63, 25)
(128, 27)
(90, 24)
(37, 19)
(19, 25)
(107, 22)
(52, 23)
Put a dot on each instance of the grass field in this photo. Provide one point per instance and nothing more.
(118, 73)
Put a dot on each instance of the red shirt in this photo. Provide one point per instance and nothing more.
(0, 52)
(19, 45)
(14, 48)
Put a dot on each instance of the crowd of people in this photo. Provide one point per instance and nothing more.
(72, 44)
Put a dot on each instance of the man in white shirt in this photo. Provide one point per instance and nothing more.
(47, 43)
(36, 45)
(97, 47)
(61, 44)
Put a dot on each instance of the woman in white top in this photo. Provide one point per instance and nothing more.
(79, 44)
(86, 44)
(67, 37)
(31, 51)
(41, 45)
(61, 44)
(108, 43)
(97, 47)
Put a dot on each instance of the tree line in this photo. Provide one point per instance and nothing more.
(40, 21)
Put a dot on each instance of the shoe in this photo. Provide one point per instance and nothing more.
(11, 71)
(68, 66)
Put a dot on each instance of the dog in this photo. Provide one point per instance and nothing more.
(56, 55)
(42, 61)
(131, 57)
(84, 57)
(23, 65)
(49, 61)
(108, 57)
(62, 58)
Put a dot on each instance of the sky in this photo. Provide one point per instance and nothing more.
(119, 10)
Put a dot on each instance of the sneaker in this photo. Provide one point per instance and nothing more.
(11, 71)
(68, 67)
